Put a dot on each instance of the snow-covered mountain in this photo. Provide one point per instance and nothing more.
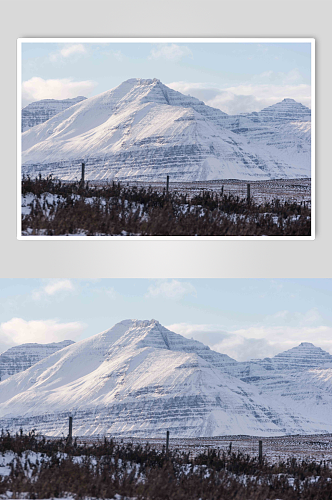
(302, 357)
(21, 357)
(286, 111)
(143, 130)
(39, 112)
(139, 379)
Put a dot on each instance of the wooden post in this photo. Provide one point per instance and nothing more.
(248, 193)
(82, 179)
(70, 435)
(167, 441)
(260, 451)
(167, 184)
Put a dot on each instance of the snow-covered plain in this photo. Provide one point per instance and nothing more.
(143, 130)
(139, 379)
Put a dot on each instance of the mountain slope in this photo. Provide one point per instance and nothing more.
(138, 378)
(21, 357)
(40, 111)
(284, 128)
(143, 130)
(285, 111)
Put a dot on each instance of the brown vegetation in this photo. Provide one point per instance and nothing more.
(115, 209)
(106, 468)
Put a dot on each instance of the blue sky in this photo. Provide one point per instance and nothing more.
(244, 318)
(235, 77)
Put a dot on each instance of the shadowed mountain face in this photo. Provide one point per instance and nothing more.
(143, 130)
(139, 379)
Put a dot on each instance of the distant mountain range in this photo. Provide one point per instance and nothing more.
(143, 130)
(139, 379)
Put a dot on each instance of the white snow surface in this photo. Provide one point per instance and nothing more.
(38, 112)
(21, 357)
(139, 379)
(143, 130)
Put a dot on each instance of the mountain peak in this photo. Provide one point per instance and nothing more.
(142, 81)
(287, 110)
(306, 355)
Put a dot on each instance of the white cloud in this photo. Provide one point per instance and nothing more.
(208, 334)
(58, 286)
(77, 48)
(261, 91)
(172, 52)
(68, 51)
(20, 331)
(53, 287)
(117, 54)
(37, 88)
(276, 333)
(170, 289)
(111, 293)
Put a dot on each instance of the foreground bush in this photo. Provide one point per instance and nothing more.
(68, 208)
(106, 468)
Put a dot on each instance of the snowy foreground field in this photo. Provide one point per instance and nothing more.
(38, 468)
(215, 208)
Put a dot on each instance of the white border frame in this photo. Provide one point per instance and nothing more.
(20, 41)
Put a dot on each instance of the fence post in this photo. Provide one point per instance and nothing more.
(70, 435)
(167, 184)
(82, 178)
(248, 193)
(260, 451)
(167, 441)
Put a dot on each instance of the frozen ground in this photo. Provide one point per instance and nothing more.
(315, 447)
(290, 190)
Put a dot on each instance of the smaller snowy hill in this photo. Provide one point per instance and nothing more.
(288, 110)
(40, 111)
(21, 357)
(302, 357)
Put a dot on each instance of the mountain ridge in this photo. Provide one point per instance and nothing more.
(143, 130)
(138, 379)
